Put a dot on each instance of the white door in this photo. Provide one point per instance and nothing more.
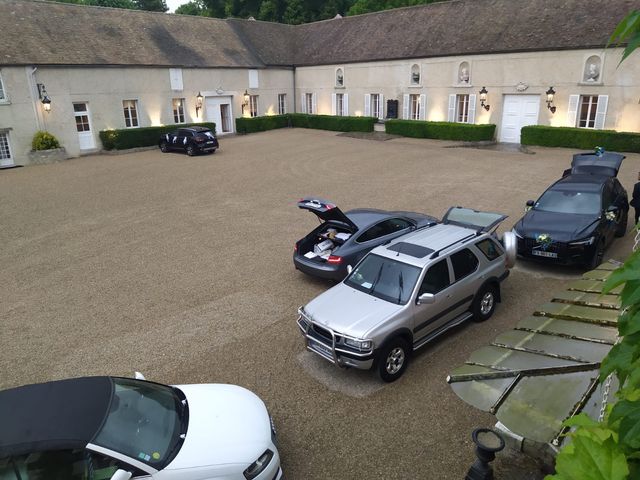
(218, 110)
(83, 125)
(6, 159)
(518, 111)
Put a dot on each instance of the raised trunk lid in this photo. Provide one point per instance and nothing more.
(326, 211)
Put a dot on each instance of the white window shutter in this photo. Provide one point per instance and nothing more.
(303, 103)
(175, 77)
(381, 107)
(253, 79)
(472, 108)
(423, 107)
(572, 114)
(452, 108)
(405, 106)
(367, 105)
(314, 105)
(601, 111)
(345, 104)
(334, 99)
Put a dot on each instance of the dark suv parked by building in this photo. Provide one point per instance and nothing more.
(192, 140)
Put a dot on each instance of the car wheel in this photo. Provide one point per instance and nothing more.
(164, 148)
(485, 303)
(598, 255)
(622, 226)
(190, 150)
(393, 360)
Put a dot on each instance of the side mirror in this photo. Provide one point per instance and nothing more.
(349, 269)
(121, 475)
(530, 204)
(612, 208)
(426, 298)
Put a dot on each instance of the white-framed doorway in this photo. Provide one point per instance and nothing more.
(518, 111)
(218, 110)
(83, 126)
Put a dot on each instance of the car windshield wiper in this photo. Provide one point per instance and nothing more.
(401, 287)
(375, 282)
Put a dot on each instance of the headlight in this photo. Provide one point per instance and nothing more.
(586, 241)
(516, 233)
(359, 344)
(257, 467)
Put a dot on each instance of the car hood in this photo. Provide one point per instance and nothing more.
(227, 425)
(561, 227)
(349, 311)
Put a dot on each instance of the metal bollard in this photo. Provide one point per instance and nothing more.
(488, 442)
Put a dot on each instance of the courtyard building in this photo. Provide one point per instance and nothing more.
(77, 70)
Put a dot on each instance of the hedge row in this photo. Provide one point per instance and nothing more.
(302, 120)
(261, 124)
(440, 130)
(141, 137)
(582, 138)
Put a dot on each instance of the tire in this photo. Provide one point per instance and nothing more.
(598, 256)
(393, 359)
(190, 150)
(485, 303)
(164, 148)
(622, 226)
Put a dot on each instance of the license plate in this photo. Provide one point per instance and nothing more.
(320, 348)
(541, 253)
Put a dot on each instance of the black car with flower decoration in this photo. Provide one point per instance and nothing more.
(576, 218)
(191, 140)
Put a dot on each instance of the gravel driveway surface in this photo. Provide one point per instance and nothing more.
(181, 268)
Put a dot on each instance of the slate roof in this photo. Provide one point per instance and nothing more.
(49, 33)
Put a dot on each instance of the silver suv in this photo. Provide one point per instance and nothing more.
(405, 293)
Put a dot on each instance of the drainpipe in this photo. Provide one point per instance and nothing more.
(295, 94)
(33, 89)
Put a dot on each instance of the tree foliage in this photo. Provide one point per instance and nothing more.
(628, 30)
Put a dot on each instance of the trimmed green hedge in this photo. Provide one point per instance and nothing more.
(583, 138)
(303, 120)
(441, 130)
(261, 124)
(141, 137)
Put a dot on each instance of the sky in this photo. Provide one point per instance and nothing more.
(173, 4)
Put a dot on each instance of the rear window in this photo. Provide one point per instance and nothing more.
(464, 262)
(489, 248)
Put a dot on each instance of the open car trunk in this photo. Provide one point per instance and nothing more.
(324, 241)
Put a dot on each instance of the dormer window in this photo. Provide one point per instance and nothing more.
(339, 77)
(415, 74)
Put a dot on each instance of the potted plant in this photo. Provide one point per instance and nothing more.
(45, 148)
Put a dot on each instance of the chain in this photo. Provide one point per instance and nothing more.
(607, 383)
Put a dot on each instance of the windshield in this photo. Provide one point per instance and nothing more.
(384, 278)
(145, 422)
(564, 201)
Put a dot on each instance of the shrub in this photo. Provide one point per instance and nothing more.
(440, 130)
(141, 137)
(333, 123)
(583, 138)
(44, 141)
(261, 124)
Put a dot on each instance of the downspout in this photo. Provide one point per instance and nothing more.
(295, 93)
(31, 81)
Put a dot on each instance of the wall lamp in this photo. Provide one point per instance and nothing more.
(245, 100)
(44, 98)
(199, 99)
(483, 99)
(550, 93)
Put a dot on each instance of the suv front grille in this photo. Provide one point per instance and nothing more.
(323, 332)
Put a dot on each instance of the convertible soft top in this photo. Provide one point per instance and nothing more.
(608, 163)
(64, 414)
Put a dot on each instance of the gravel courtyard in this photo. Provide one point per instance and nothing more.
(180, 267)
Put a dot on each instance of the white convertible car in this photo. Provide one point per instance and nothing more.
(110, 428)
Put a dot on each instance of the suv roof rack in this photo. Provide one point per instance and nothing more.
(436, 254)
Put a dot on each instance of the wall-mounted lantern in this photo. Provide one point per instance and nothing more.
(44, 98)
(483, 99)
(245, 100)
(550, 93)
(199, 99)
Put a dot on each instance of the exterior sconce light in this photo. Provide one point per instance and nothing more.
(44, 98)
(245, 100)
(487, 443)
(483, 99)
(550, 93)
(199, 99)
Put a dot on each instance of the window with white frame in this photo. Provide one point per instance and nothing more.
(82, 117)
(5, 151)
(130, 113)
(253, 105)
(375, 105)
(178, 110)
(282, 103)
(3, 95)
(588, 108)
(308, 102)
(414, 108)
(462, 108)
(339, 104)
